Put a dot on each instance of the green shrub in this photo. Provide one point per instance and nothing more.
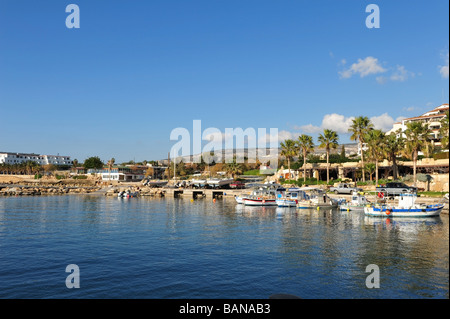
(443, 155)
(79, 177)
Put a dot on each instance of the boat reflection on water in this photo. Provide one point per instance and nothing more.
(254, 210)
(407, 224)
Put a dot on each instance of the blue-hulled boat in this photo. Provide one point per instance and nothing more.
(406, 207)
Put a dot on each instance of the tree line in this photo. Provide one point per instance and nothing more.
(374, 145)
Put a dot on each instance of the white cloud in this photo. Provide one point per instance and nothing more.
(310, 129)
(337, 122)
(341, 124)
(443, 69)
(368, 66)
(384, 121)
(371, 65)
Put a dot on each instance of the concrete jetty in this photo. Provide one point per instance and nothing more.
(198, 193)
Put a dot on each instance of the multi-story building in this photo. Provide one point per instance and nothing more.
(431, 118)
(17, 158)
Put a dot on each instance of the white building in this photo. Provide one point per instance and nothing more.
(124, 174)
(17, 158)
(431, 118)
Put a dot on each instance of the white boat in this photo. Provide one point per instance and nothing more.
(127, 194)
(217, 182)
(263, 195)
(290, 198)
(316, 198)
(198, 182)
(406, 207)
(357, 203)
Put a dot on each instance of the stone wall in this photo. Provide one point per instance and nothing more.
(439, 183)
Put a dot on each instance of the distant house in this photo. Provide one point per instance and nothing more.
(17, 158)
(121, 173)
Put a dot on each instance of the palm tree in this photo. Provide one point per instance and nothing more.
(110, 166)
(393, 145)
(417, 135)
(234, 168)
(371, 168)
(305, 143)
(328, 140)
(375, 141)
(289, 149)
(361, 125)
(75, 165)
(443, 131)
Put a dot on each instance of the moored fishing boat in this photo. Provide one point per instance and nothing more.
(290, 198)
(127, 194)
(406, 207)
(238, 199)
(263, 195)
(357, 203)
(316, 198)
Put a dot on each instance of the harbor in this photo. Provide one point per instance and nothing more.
(224, 154)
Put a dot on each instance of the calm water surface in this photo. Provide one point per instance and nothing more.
(174, 248)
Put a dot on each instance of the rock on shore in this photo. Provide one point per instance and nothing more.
(142, 191)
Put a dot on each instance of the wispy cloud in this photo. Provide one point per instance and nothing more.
(372, 66)
(400, 74)
(411, 109)
(443, 69)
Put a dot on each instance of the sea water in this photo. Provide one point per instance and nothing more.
(176, 248)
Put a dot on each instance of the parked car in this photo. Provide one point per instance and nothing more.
(345, 189)
(395, 188)
(237, 184)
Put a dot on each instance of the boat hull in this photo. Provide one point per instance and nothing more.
(286, 203)
(346, 208)
(259, 202)
(429, 211)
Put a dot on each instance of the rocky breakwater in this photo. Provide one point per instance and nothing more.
(33, 188)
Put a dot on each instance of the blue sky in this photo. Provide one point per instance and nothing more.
(135, 70)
